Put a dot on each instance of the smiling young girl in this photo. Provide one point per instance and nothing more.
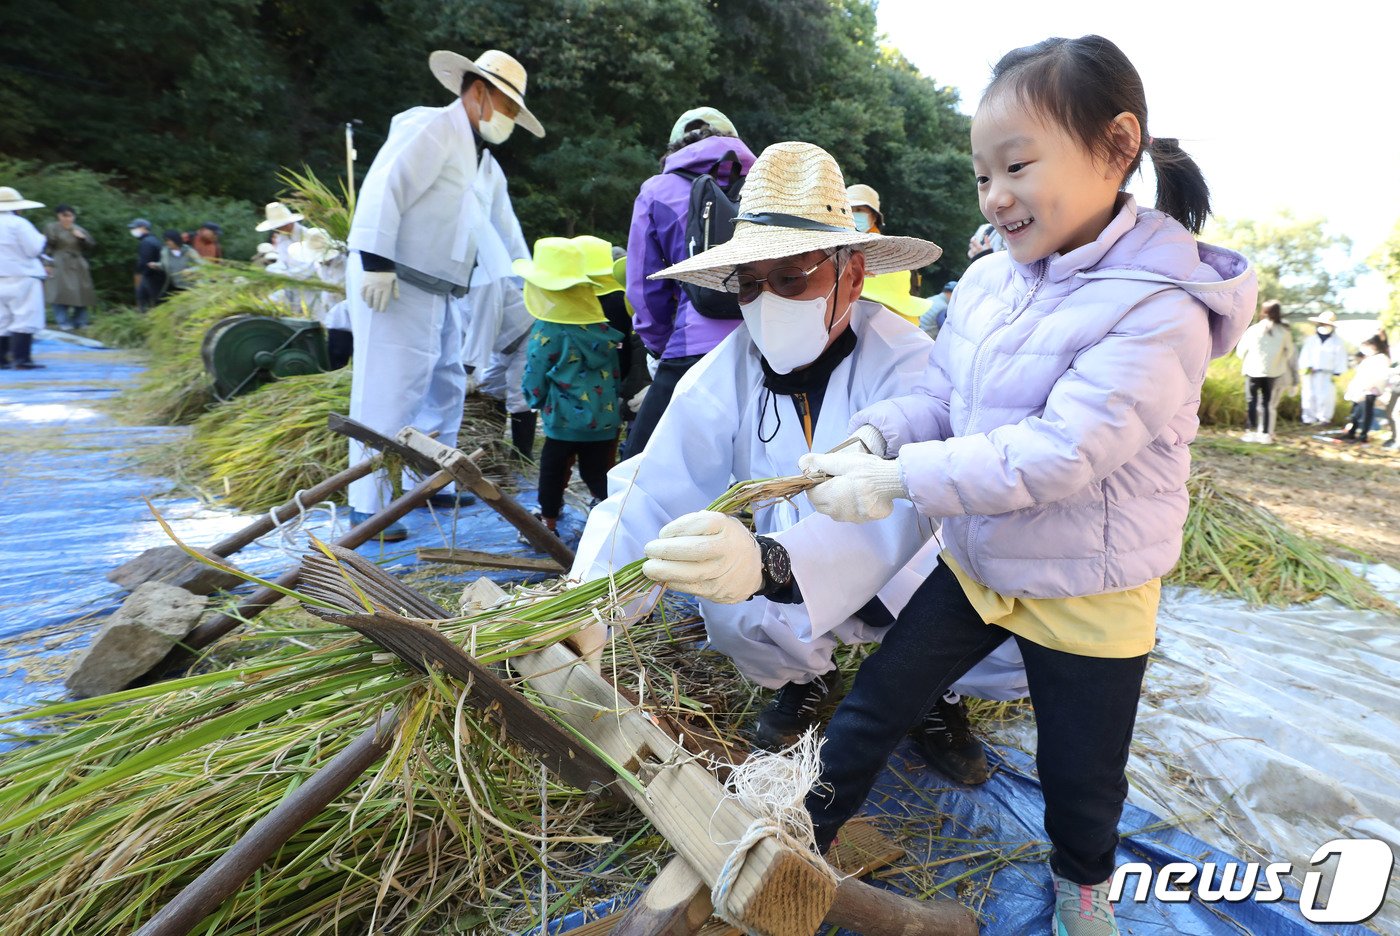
(1050, 435)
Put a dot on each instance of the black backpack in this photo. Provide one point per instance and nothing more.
(709, 223)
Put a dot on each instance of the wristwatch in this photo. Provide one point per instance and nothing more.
(777, 565)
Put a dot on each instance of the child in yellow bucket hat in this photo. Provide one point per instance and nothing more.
(570, 370)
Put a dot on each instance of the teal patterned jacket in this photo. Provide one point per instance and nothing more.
(571, 378)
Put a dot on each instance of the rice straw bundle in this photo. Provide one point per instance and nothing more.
(1239, 548)
(132, 795)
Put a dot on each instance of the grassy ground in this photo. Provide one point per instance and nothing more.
(1344, 495)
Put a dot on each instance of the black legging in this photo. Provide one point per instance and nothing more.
(1261, 395)
(557, 460)
(1362, 412)
(1084, 709)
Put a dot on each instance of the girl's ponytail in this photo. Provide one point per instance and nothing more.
(1181, 186)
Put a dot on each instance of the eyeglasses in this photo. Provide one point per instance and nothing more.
(785, 281)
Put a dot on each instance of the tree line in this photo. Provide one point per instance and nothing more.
(211, 99)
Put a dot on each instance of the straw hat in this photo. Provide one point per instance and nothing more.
(558, 263)
(891, 290)
(794, 200)
(278, 215)
(495, 66)
(10, 200)
(1325, 318)
(315, 246)
(865, 196)
(598, 263)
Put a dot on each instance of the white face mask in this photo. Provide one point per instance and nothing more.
(789, 333)
(496, 130)
(137, 234)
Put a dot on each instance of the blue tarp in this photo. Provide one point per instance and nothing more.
(74, 510)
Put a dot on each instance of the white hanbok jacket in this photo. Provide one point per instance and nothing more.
(417, 205)
(1319, 355)
(494, 309)
(709, 437)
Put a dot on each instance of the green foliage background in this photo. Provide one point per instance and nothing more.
(205, 102)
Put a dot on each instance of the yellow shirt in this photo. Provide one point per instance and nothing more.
(1114, 625)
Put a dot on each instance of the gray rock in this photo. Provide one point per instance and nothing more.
(153, 619)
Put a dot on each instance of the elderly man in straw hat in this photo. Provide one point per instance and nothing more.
(810, 353)
(284, 226)
(420, 219)
(21, 281)
(1322, 359)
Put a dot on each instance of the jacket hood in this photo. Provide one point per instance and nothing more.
(1147, 245)
(701, 155)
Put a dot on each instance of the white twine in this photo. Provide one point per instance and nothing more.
(772, 786)
(287, 530)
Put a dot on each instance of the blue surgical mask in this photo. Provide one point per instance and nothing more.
(863, 222)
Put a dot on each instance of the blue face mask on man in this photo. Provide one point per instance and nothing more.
(864, 222)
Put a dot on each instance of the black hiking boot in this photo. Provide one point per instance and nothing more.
(945, 739)
(792, 711)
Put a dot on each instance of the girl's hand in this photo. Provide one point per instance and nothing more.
(860, 487)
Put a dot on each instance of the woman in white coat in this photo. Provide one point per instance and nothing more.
(1266, 351)
(782, 385)
(21, 281)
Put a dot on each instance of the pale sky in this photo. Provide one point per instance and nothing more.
(1282, 105)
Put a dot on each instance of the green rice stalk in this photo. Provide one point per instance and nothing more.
(130, 796)
(121, 328)
(317, 203)
(1238, 548)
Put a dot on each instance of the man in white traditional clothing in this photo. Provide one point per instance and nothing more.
(21, 281)
(419, 222)
(284, 227)
(1322, 359)
(810, 353)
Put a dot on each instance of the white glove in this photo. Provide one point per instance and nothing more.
(861, 487)
(706, 554)
(380, 286)
(871, 438)
(635, 404)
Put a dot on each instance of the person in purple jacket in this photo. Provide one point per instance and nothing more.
(666, 321)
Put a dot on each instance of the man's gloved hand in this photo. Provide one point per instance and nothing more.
(861, 487)
(635, 404)
(379, 287)
(706, 554)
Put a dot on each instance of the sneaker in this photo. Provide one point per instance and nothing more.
(393, 533)
(792, 711)
(1263, 438)
(524, 540)
(1083, 909)
(1250, 436)
(451, 501)
(946, 740)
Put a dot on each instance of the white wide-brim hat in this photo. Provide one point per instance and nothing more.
(495, 66)
(1327, 317)
(11, 200)
(794, 201)
(278, 215)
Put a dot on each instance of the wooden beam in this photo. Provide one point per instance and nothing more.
(485, 560)
(778, 891)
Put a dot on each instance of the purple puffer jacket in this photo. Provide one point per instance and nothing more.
(666, 321)
(1060, 397)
